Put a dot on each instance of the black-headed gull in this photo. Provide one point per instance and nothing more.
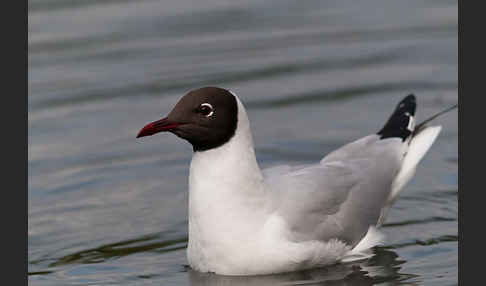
(247, 221)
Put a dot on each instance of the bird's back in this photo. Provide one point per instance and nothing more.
(341, 196)
(352, 188)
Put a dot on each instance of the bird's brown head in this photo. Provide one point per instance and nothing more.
(206, 117)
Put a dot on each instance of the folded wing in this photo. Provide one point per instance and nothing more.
(341, 196)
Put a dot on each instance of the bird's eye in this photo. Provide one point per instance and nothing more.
(206, 109)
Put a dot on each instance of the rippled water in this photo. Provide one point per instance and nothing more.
(105, 208)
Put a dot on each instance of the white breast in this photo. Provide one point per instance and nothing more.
(226, 201)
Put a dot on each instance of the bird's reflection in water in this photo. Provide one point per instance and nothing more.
(382, 268)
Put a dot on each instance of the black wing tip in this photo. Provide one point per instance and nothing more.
(407, 104)
(399, 125)
(411, 97)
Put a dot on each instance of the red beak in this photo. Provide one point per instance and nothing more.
(161, 125)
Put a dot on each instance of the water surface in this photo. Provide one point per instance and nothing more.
(106, 208)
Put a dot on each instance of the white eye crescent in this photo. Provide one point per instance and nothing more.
(207, 109)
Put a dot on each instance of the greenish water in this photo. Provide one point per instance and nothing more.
(105, 208)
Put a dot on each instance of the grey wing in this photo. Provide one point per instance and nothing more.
(342, 195)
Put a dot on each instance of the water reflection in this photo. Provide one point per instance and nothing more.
(383, 267)
(148, 243)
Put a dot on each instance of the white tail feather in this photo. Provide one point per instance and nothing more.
(419, 145)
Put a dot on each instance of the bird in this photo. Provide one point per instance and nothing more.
(244, 220)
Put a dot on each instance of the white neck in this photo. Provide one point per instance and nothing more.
(235, 160)
(225, 193)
